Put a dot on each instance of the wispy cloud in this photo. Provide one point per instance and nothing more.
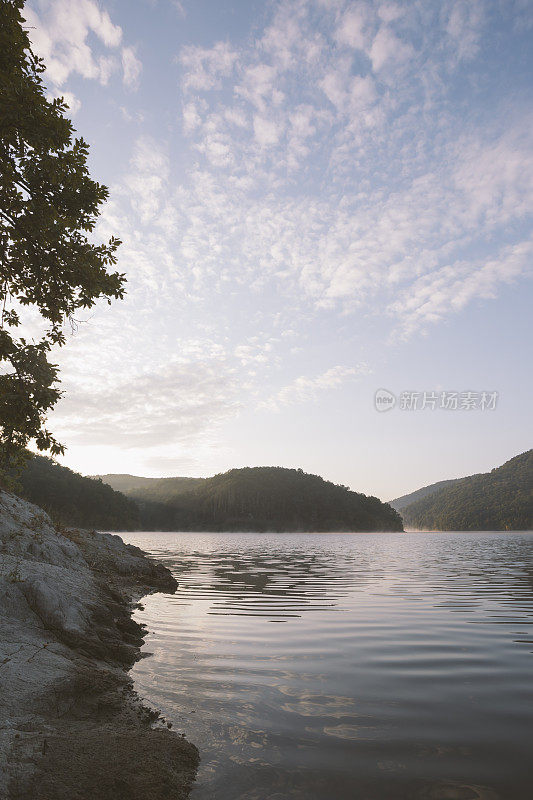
(179, 7)
(311, 199)
(345, 162)
(179, 404)
(131, 66)
(305, 389)
(464, 27)
(147, 182)
(206, 67)
(449, 289)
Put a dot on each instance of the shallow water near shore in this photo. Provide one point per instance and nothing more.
(342, 666)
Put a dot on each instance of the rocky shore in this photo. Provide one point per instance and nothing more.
(71, 726)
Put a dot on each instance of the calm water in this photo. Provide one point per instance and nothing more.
(343, 667)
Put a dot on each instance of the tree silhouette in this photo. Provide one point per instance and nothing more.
(48, 209)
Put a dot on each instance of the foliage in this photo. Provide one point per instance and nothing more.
(48, 209)
(406, 499)
(71, 499)
(261, 499)
(498, 500)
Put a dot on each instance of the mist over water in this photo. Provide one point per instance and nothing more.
(372, 666)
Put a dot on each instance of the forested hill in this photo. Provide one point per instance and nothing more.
(161, 490)
(262, 499)
(406, 499)
(74, 500)
(498, 500)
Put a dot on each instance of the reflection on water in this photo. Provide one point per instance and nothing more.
(259, 584)
(402, 667)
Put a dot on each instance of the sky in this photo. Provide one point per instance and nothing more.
(317, 199)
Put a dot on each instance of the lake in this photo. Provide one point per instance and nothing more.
(346, 666)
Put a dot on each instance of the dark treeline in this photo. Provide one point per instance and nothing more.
(261, 499)
(275, 499)
(498, 500)
(73, 500)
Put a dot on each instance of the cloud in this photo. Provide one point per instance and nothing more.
(305, 389)
(389, 12)
(266, 131)
(464, 25)
(257, 351)
(73, 103)
(370, 184)
(350, 94)
(179, 405)
(353, 29)
(203, 68)
(448, 290)
(326, 252)
(387, 48)
(329, 179)
(191, 117)
(131, 66)
(60, 33)
(146, 183)
(180, 8)
(258, 86)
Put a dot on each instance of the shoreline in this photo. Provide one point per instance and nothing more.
(71, 724)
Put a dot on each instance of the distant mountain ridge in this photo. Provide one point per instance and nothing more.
(255, 499)
(498, 500)
(157, 489)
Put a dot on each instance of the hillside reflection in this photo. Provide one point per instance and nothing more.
(280, 584)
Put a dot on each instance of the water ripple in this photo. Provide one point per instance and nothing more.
(399, 667)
